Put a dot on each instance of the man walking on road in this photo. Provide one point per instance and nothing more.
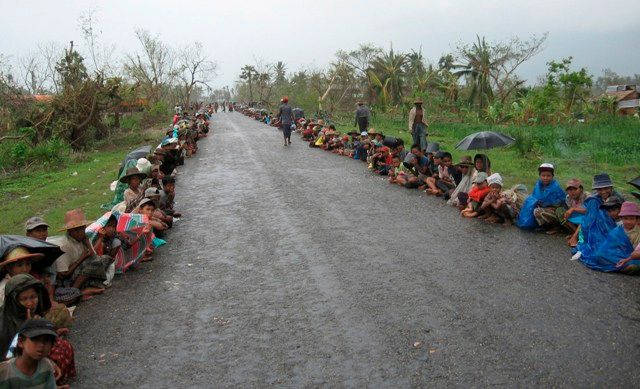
(285, 115)
(362, 116)
(418, 125)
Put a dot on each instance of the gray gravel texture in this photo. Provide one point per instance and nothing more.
(299, 268)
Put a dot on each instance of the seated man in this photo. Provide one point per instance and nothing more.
(79, 266)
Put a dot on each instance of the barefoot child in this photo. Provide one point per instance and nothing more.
(476, 196)
(630, 215)
(539, 209)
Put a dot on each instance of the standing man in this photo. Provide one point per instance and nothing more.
(285, 115)
(418, 125)
(362, 116)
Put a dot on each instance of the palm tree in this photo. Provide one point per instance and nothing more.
(477, 70)
(387, 76)
(249, 74)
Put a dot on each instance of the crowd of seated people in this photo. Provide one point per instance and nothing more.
(591, 221)
(39, 299)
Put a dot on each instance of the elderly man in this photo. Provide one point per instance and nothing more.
(362, 116)
(418, 124)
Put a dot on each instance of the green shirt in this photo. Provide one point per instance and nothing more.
(11, 377)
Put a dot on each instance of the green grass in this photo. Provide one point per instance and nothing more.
(82, 183)
(579, 150)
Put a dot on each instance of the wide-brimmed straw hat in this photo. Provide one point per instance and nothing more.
(132, 172)
(465, 161)
(628, 209)
(74, 219)
(418, 101)
(19, 254)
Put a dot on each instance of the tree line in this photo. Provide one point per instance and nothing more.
(77, 95)
(478, 79)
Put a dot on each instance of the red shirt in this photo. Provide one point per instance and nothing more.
(476, 194)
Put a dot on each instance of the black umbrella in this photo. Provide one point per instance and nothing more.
(51, 251)
(635, 182)
(485, 140)
(140, 152)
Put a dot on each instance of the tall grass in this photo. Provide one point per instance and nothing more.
(609, 144)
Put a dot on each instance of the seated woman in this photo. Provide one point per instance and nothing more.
(596, 223)
(460, 194)
(26, 298)
(539, 209)
(619, 252)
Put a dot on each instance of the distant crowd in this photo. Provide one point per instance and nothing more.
(602, 228)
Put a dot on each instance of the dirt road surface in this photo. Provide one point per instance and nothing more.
(296, 267)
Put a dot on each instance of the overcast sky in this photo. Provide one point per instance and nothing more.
(302, 33)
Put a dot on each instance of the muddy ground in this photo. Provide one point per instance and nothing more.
(296, 267)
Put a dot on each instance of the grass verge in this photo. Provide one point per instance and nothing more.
(84, 183)
(579, 150)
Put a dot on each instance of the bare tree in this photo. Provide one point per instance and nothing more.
(195, 69)
(153, 69)
(99, 53)
(51, 53)
(32, 73)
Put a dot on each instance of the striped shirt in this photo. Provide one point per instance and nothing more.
(11, 377)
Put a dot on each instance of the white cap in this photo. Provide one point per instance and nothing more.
(495, 178)
(364, 133)
(547, 166)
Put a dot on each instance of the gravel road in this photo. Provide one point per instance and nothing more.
(295, 267)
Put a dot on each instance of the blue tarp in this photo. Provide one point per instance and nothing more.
(615, 247)
(551, 195)
(594, 229)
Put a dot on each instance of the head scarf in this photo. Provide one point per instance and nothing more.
(14, 314)
(464, 186)
(486, 162)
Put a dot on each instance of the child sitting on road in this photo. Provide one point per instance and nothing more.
(167, 196)
(31, 367)
(382, 161)
(499, 206)
(574, 201)
(630, 215)
(539, 209)
(134, 193)
(107, 242)
(398, 174)
(476, 196)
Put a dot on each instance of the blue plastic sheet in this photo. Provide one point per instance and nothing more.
(614, 248)
(594, 229)
(552, 194)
